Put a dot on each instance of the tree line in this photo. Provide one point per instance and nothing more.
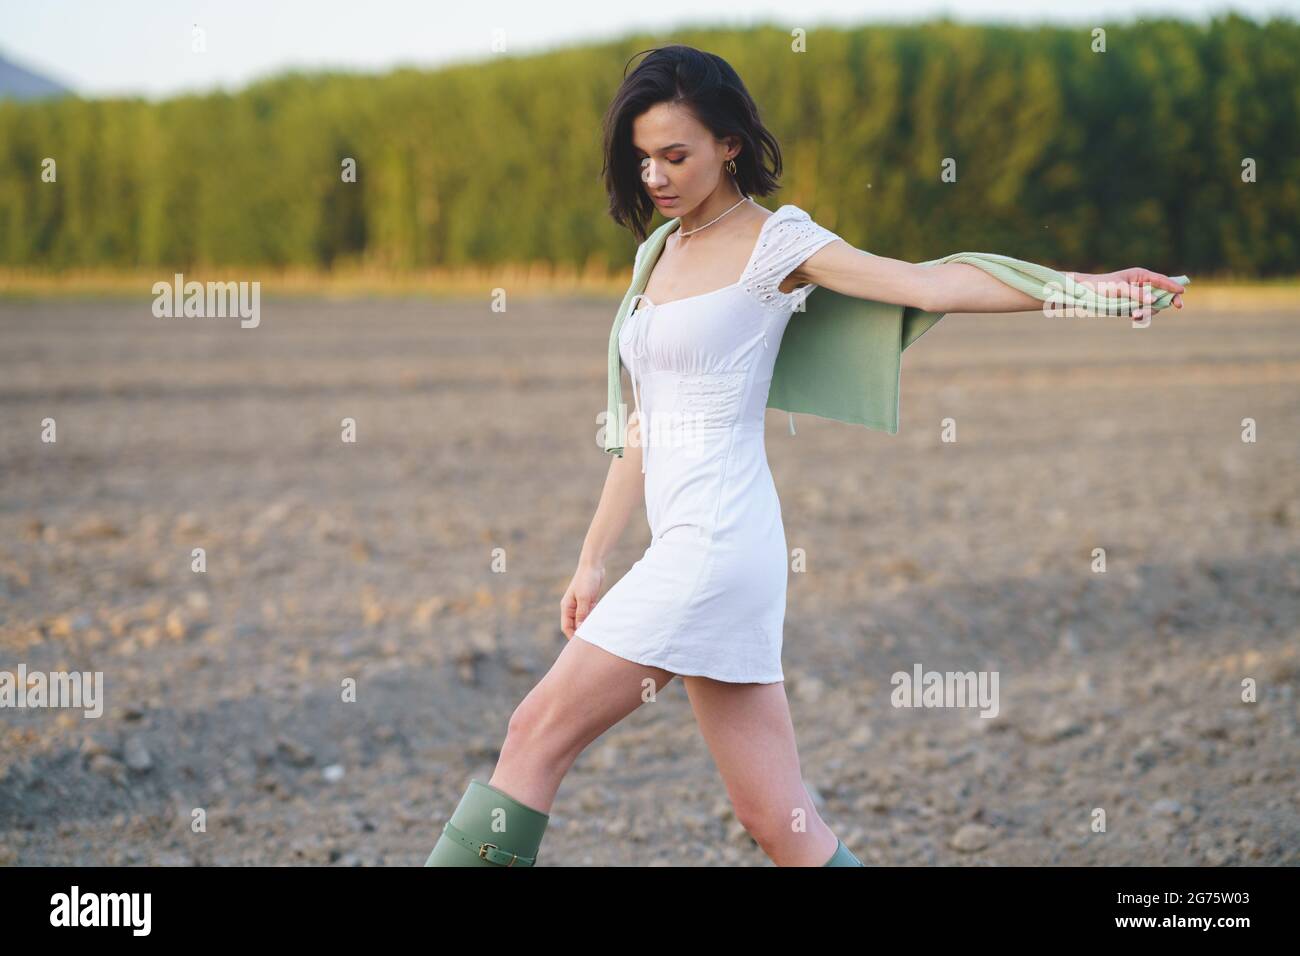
(1167, 144)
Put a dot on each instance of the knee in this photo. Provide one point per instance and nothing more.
(534, 728)
(525, 725)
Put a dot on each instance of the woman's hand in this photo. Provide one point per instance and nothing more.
(583, 592)
(1135, 278)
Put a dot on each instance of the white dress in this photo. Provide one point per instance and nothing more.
(707, 598)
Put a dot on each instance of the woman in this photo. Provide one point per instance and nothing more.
(706, 602)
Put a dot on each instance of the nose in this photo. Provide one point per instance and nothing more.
(651, 174)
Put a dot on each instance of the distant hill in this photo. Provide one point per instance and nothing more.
(22, 84)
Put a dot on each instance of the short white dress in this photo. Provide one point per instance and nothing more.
(707, 598)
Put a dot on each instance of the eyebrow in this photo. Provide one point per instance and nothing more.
(662, 149)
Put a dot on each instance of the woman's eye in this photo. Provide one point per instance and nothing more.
(675, 162)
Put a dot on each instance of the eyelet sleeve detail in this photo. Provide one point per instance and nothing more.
(784, 245)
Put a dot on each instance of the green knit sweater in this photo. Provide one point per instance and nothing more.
(842, 357)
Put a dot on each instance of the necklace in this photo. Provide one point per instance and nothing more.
(683, 233)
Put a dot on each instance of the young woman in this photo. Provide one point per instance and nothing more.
(706, 602)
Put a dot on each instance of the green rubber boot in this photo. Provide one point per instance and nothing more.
(843, 856)
(489, 828)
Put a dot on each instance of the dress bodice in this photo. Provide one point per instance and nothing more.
(702, 364)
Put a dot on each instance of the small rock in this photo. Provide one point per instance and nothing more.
(176, 625)
(294, 752)
(60, 626)
(872, 801)
(1146, 757)
(809, 689)
(426, 611)
(136, 754)
(1218, 856)
(1053, 730)
(189, 523)
(861, 735)
(107, 766)
(95, 528)
(1167, 807)
(971, 837)
(519, 664)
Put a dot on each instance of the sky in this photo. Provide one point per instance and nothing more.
(146, 47)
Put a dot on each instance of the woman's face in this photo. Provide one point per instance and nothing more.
(679, 157)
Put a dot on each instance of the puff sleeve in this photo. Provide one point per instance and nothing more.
(787, 240)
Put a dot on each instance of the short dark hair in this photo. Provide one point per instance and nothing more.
(707, 85)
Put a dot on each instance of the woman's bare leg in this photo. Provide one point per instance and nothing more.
(586, 691)
(748, 729)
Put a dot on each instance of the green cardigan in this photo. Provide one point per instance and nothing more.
(841, 358)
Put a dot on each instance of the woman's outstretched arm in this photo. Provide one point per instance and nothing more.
(949, 286)
(959, 287)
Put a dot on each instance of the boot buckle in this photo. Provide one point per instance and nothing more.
(482, 853)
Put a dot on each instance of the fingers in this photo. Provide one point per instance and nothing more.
(566, 616)
(1138, 292)
(1164, 282)
(1169, 285)
(1139, 284)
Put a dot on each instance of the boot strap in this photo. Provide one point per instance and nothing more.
(486, 851)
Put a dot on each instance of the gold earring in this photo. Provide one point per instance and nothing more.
(730, 166)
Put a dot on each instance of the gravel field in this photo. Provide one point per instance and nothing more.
(372, 561)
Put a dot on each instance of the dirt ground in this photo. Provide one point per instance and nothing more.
(476, 430)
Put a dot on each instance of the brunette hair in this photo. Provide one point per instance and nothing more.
(707, 85)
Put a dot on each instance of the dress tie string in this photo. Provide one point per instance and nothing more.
(637, 351)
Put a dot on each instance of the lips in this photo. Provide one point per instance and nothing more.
(662, 199)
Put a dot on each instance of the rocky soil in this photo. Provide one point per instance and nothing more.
(332, 562)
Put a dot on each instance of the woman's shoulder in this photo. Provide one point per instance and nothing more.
(791, 226)
(789, 237)
(789, 209)
(789, 212)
